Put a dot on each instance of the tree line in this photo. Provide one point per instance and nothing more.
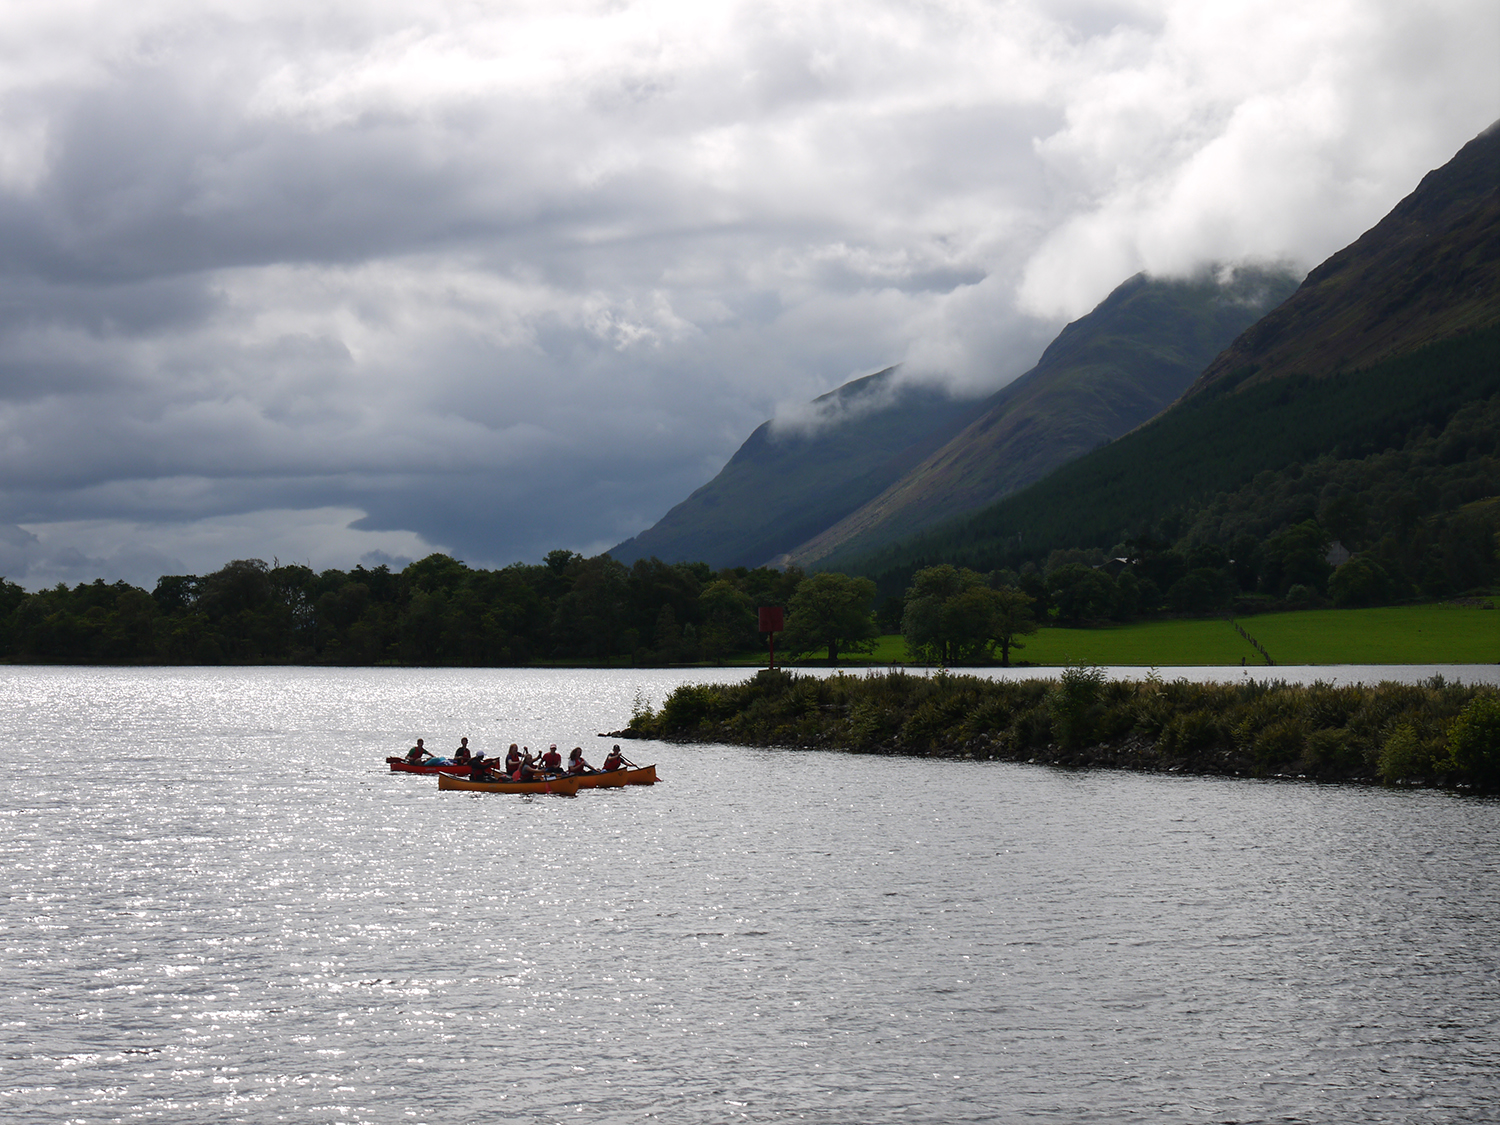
(439, 611)
(436, 611)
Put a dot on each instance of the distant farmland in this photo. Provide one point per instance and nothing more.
(1418, 634)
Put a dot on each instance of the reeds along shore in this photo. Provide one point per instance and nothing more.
(1434, 733)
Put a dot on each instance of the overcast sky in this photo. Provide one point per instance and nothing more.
(392, 277)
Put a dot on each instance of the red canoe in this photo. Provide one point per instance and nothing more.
(401, 765)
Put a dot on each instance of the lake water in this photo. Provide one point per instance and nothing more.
(221, 907)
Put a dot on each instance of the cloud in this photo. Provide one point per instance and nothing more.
(1271, 131)
(395, 276)
(140, 552)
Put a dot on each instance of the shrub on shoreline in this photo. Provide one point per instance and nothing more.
(1435, 733)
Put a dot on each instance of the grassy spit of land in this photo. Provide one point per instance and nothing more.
(1436, 733)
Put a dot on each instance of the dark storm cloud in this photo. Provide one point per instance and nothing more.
(157, 176)
(375, 279)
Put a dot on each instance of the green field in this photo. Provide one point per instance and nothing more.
(1415, 634)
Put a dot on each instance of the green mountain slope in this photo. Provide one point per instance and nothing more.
(783, 486)
(1282, 393)
(1104, 375)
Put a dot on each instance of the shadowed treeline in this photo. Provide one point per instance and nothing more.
(436, 611)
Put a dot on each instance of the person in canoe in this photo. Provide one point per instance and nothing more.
(418, 753)
(552, 760)
(462, 755)
(512, 759)
(576, 764)
(616, 760)
(531, 769)
(479, 768)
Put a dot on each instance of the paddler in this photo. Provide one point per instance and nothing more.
(462, 754)
(615, 760)
(530, 767)
(479, 769)
(576, 764)
(512, 759)
(552, 760)
(415, 755)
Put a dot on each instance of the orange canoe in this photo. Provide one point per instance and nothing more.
(614, 779)
(562, 786)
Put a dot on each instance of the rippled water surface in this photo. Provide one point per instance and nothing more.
(220, 907)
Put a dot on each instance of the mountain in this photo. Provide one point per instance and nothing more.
(1392, 335)
(1104, 375)
(884, 459)
(787, 483)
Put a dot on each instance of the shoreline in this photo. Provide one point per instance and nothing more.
(1134, 754)
(1430, 735)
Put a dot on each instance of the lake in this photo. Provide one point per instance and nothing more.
(222, 907)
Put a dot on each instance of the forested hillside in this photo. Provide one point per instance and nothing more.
(1421, 521)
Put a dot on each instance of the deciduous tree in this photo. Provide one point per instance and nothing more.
(830, 610)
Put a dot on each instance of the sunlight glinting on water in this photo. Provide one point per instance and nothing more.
(221, 906)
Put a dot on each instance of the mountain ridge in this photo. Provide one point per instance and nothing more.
(1103, 375)
(785, 483)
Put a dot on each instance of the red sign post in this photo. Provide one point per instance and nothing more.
(772, 621)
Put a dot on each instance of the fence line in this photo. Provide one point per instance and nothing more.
(1256, 645)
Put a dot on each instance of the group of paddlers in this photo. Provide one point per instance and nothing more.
(519, 764)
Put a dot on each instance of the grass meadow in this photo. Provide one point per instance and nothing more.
(1414, 634)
